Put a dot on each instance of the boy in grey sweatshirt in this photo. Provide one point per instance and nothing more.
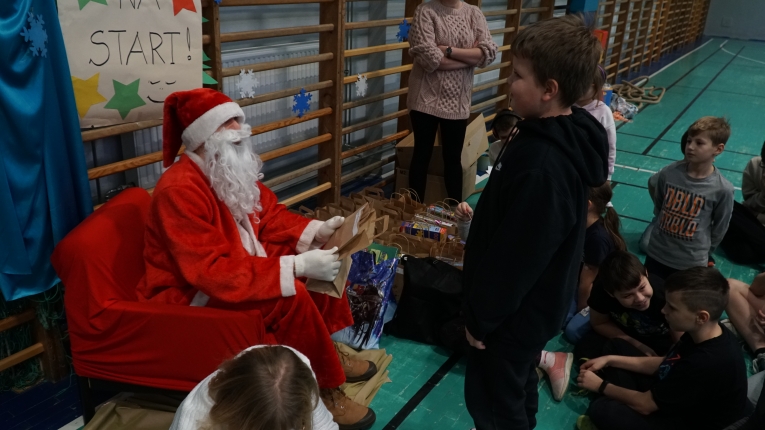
(693, 203)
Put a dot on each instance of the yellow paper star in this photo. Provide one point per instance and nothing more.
(86, 93)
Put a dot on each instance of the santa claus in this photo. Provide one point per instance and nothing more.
(217, 237)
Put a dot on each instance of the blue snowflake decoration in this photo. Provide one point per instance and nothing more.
(218, 2)
(302, 103)
(36, 34)
(403, 31)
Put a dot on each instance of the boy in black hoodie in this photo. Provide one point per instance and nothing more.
(526, 239)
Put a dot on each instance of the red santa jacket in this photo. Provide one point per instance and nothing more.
(193, 244)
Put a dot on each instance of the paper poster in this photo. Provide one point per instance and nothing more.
(126, 56)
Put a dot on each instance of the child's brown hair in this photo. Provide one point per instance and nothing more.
(600, 197)
(597, 83)
(563, 49)
(717, 127)
(268, 388)
(702, 289)
(621, 271)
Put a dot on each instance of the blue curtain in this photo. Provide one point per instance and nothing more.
(44, 190)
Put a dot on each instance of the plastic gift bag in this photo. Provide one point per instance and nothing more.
(627, 109)
(369, 291)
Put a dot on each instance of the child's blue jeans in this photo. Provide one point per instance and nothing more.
(578, 324)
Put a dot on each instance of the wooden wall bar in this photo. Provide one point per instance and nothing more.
(640, 32)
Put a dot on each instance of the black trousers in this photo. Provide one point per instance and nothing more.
(658, 269)
(501, 394)
(425, 127)
(610, 414)
(744, 242)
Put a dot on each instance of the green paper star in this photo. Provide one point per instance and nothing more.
(85, 2)
(125, 98)
(207, 79)
(205, 57)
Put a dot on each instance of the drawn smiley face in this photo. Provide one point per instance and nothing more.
(161, 88)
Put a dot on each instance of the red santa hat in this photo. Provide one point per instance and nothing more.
(191, 117)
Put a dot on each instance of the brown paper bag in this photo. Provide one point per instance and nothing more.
(452, 252)
(407, 199)
(323, 214)
(348, 204)
(351, 237)
(374, 196)
(411, 245)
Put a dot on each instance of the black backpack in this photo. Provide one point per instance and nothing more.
(432, 297)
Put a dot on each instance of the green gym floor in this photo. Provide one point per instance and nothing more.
(427, 388)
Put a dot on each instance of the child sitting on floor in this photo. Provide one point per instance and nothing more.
(592, 102)
(692, 202)
(626, 303)
(744, 242)
(700, 384)
(601, 238)
(503, 129)
(746, 310)
(263, 388)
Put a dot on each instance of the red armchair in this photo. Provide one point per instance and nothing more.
(116, 338)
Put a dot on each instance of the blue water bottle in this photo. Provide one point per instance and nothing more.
(607, 93)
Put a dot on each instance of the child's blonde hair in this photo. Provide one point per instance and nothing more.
(268, 388)
(717, 127)
(563, 49)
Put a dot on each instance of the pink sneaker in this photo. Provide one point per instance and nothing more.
(559, 373)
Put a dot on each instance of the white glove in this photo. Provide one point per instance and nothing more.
(328, 229)
(318, 264)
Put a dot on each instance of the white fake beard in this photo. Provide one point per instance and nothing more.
(234, 170)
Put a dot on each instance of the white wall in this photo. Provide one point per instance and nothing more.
(737, 19)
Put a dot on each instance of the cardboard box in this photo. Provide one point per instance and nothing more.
(435, 190)
(419, 229)
(476, 143)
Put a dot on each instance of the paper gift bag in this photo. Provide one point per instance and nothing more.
(408, 200)
(374, 196)
(410, 245)
(351, 237)
(323, 214)
(451, 252)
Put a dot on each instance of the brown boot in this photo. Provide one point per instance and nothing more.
(348, 414)
(356, 370)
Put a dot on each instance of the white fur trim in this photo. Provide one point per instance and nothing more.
(287, 275)
(204, 126)
(196, 159)
(306, 238)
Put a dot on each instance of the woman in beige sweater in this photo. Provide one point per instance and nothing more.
(448, 40)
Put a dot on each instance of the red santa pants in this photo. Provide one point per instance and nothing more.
(304, 322)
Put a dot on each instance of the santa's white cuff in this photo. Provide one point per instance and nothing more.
(308, 235)
(287, 275)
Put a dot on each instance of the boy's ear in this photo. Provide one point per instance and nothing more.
(720, 148)
(551, 90)
(702, 317)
